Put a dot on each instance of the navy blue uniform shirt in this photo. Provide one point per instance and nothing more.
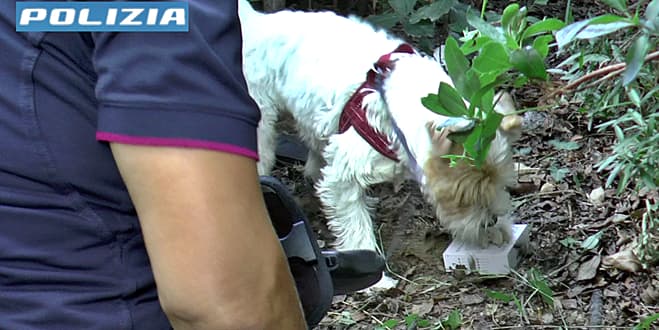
(71, 251)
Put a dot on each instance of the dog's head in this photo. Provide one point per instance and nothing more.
(474, 203)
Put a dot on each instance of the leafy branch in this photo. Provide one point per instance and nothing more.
(512, 53)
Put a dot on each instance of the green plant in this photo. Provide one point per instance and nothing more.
(451, 322)
(533, 280)
(627, 107)
(647, 322)
(416, 20)
(647, 249)
(511, 54)
(411, 321)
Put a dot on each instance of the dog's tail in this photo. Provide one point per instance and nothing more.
(246, 11)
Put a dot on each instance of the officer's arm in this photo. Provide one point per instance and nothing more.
(216, 259)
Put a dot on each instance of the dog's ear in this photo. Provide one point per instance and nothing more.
(511, 125)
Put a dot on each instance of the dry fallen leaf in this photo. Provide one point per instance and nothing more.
(548, 187)
(596, 196)
(588, 269)
(624, 260)
(650, 295)
(422, 309)
(471, 299)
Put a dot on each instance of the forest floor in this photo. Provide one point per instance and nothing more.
(590, 290)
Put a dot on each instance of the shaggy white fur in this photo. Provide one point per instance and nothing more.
(310, 64)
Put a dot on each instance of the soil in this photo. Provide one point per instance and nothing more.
(587, 291)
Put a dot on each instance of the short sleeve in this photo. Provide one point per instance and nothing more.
(182, 89)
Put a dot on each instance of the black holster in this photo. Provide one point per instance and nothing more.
(319, 275)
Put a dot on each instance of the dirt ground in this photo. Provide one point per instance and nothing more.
(587, 291)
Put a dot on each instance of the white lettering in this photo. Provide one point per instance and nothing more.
(84, 18)
(56, 16)
(32, 15)
(87, 15)
(173, 14)
(111, 18)
(152, 16)
(130, 19)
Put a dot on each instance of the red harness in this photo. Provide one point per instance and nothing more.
(354, 113)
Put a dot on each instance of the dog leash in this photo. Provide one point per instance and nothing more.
(381, 70)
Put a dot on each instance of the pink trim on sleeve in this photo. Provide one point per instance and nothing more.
(175, 142)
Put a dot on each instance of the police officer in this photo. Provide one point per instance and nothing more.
(129, 197)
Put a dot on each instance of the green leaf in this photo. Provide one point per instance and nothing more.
(421, 29)
(486, 29)
(616, 4)
(457, 66)
(422, 323)
(492, 58)
(402, 7)
(614, 173)
(453, 321)
(451, 100)
(608, 18)
(558, 174)
(544, 26)
(390, 324)
(597, 30)
(619, 134)
(592, 241)
(477, 146)
(471, 85)
(528, 61)
(385, 21)
(647, 322)
(567, 34)
(564, 145)
(520, 81)
(433, 11)
(635, 59)
(652, 10)
(411, 319)
(568, 242)
(506, 298)
(634, 96)
(491, 124)
(508, 14)
(539, 283)
(471, 143)
(474, 45)
(433, 104)
(541, 44)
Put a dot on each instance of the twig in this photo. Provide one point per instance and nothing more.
(600, 80)
(386, 263)
(561, 268)
(617, 68)
(522, 200)
(371, 315)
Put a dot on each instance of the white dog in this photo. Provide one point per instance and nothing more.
(314, 65)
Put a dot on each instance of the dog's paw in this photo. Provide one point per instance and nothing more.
(497, 235)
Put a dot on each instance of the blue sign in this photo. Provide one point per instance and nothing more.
(119, 16)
